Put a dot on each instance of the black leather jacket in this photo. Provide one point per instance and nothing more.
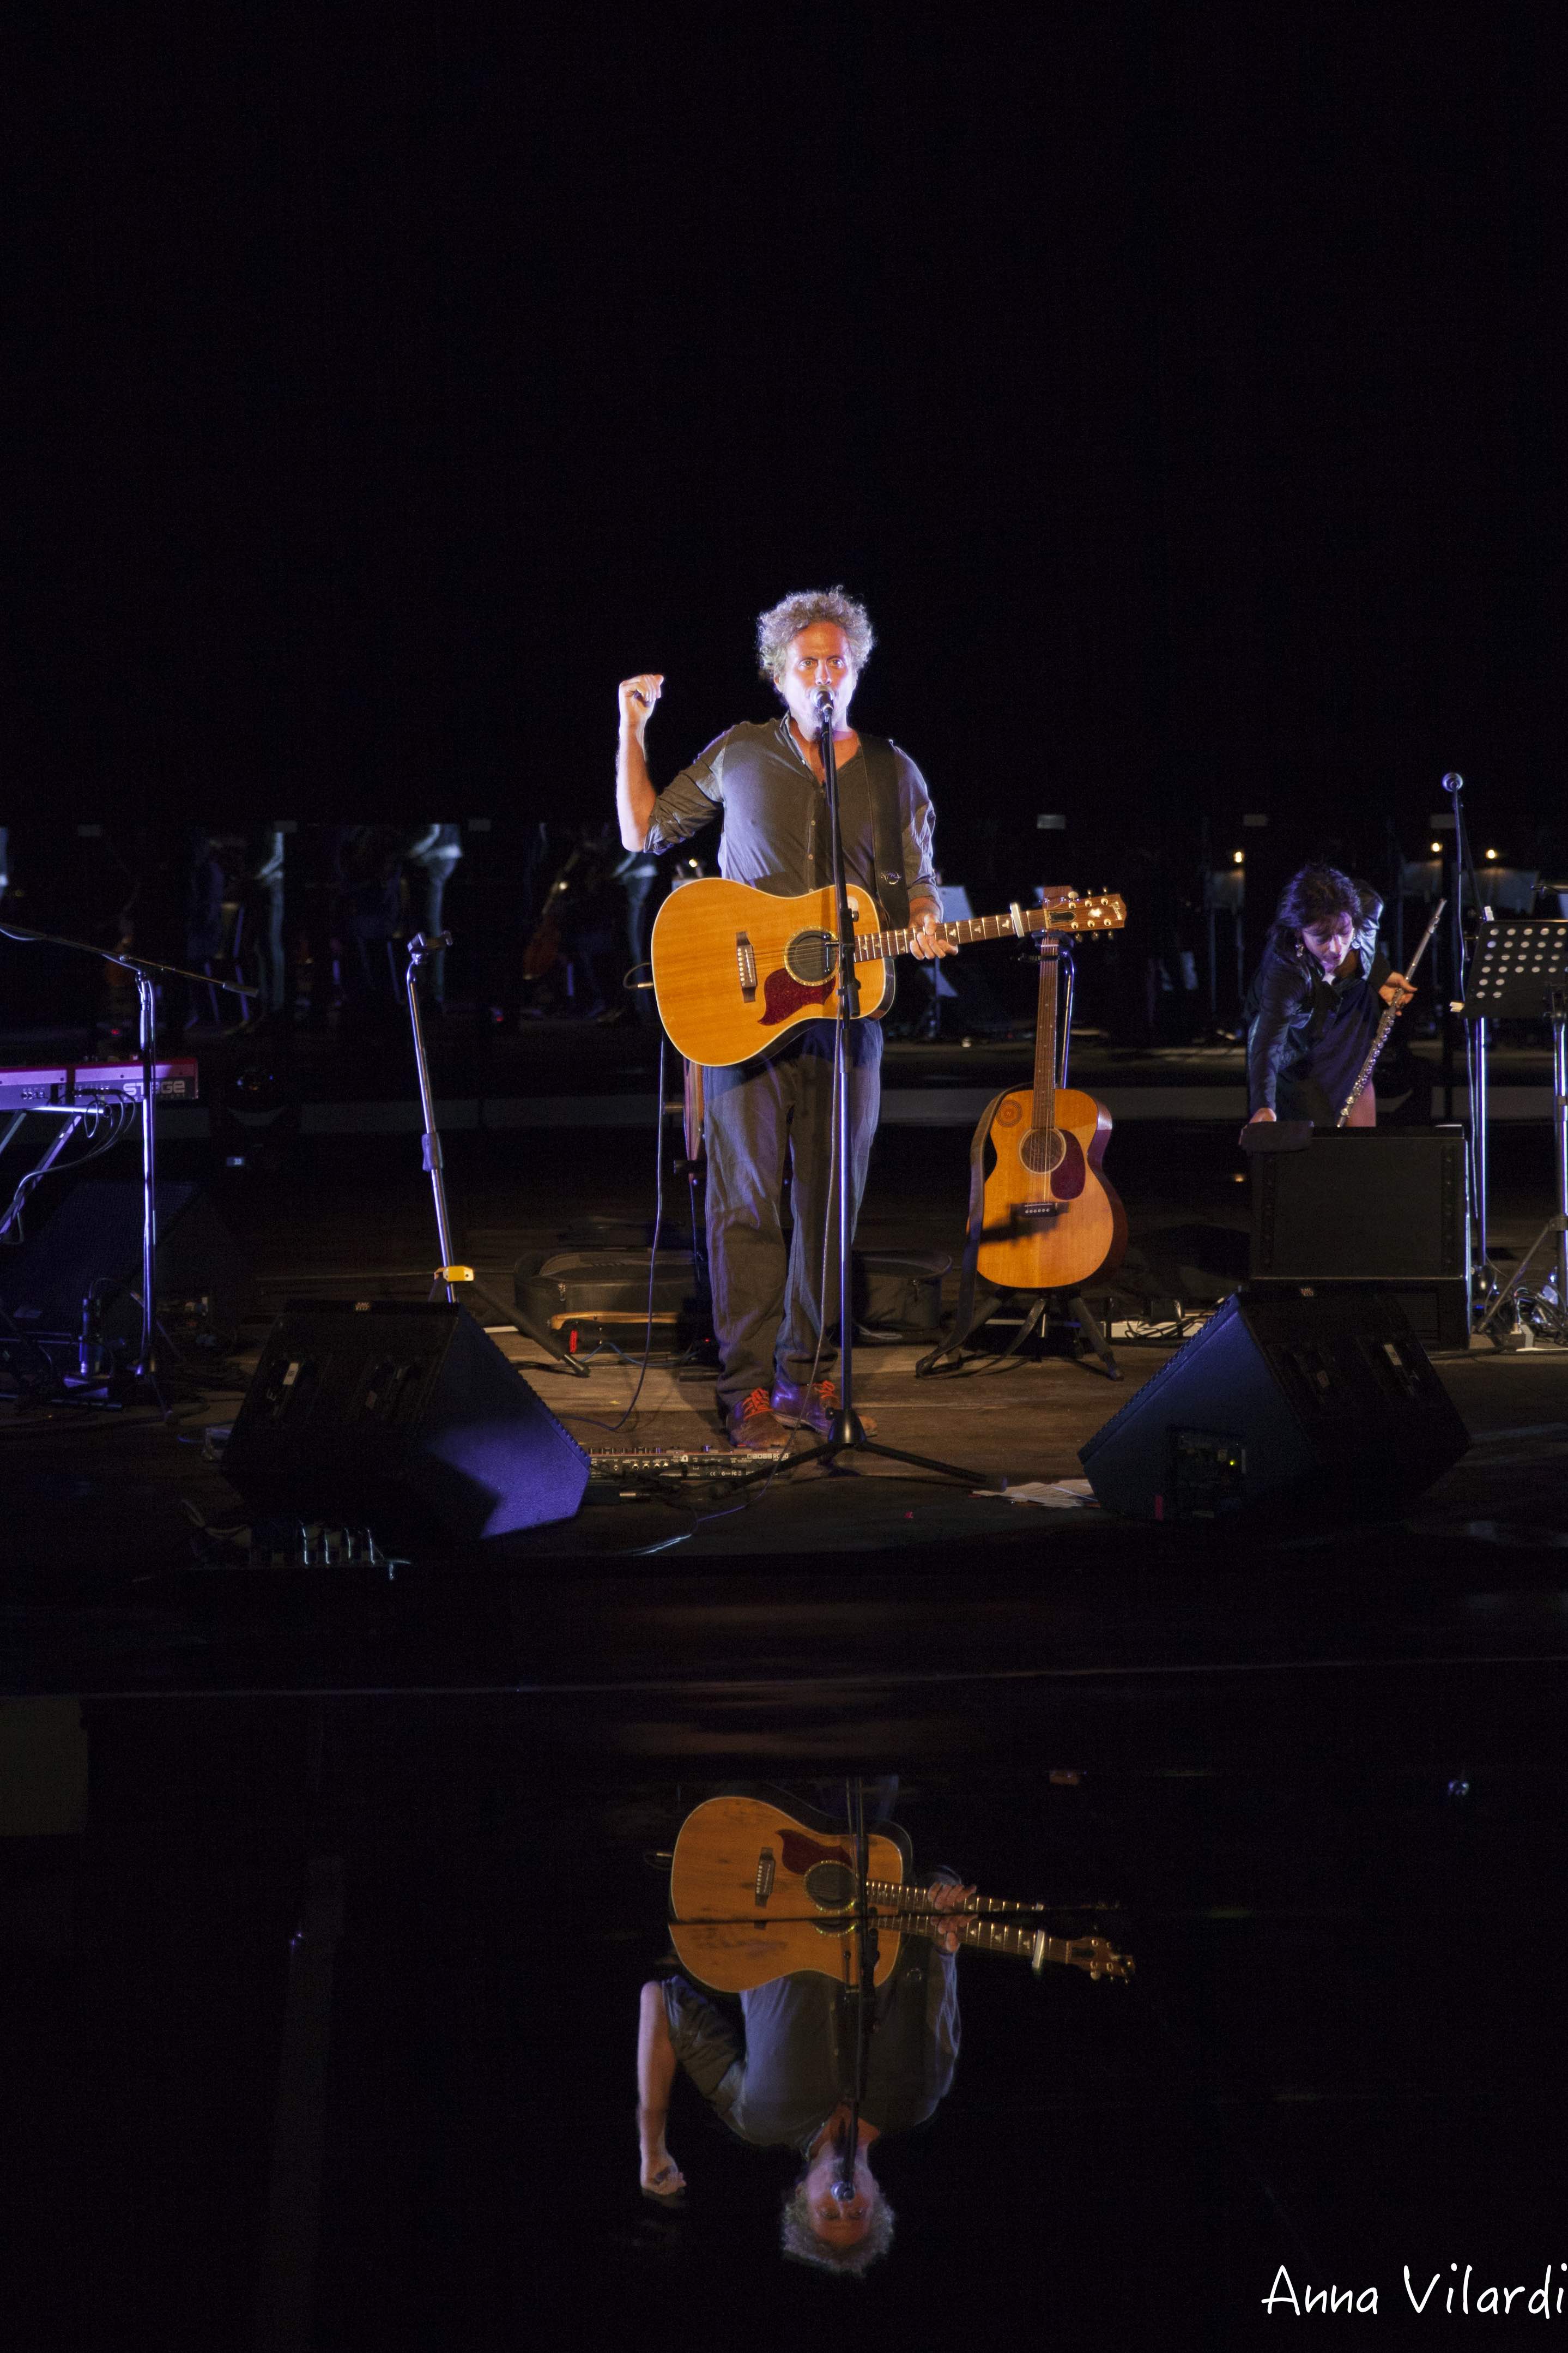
(1307, 1037)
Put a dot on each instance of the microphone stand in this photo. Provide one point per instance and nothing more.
(422, 950)
(849, 1433)
(1483, 1275)
(141, 970)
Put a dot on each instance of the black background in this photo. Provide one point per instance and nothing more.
(1174, 384)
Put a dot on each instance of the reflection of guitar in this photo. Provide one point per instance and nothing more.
(756, 1894)
(737, 969)
(1050, 1221)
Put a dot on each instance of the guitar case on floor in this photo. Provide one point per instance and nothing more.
(575, 1299)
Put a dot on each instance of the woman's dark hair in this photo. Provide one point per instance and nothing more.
(1316, 894)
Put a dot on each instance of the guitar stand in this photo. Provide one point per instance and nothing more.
(1044, 1307)
(1060, 1306)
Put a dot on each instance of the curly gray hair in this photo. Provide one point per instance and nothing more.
(787, 619)
(798, 2238)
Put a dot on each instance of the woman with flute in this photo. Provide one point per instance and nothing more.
(1316, 1000)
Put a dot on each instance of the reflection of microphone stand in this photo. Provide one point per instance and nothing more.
(141, 970)
(864, 1995)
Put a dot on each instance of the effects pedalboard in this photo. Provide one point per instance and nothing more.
(694, 1463)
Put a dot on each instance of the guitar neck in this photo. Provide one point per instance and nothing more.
(1046, 1047)
(870, 947)
(915, 1917)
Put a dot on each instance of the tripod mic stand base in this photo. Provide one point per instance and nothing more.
(1522, 1295)
(112, 1391)
(849, 1438)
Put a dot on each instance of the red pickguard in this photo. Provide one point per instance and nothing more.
(800, 1852)
(784, 995)
(1066, 1180)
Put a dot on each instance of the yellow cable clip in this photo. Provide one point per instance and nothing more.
(453, 1274)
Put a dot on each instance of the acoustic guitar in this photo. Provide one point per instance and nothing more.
(1050, 1221)
(736, 969)
(756, 1894)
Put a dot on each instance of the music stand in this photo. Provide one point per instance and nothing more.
(1519, 971)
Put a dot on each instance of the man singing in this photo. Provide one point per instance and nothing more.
(764, 778)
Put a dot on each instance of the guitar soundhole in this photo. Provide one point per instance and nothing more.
(831, 1885)
(1042, 1150)
(810, 957)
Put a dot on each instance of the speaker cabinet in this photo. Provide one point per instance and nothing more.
(1381, 1207)
(1316, 1403)
(406, 1419)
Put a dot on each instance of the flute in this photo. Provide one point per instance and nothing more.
(1380, 1038)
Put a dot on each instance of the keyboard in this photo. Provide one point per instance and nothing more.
(65, 1086)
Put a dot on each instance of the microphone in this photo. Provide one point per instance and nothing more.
(822, 702)
(843, 2184)
(1453, 783)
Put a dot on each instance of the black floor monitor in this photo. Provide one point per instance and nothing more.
(404, 1420)
(1315, 1404)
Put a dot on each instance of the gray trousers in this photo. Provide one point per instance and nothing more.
(759, 1118)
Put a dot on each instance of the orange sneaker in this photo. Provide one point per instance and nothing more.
(753, 1425)
(816, 1405)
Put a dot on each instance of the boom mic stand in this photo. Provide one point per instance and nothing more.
(421, 952)
(141, 970)
(849, 1433)
(1483, 1274)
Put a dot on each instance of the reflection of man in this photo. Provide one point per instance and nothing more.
(789, 2081)
(765, 781)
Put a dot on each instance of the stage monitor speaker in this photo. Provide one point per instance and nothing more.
(406, 1419)
(1372, 1206)
(95, 1237)
(1314, 1404)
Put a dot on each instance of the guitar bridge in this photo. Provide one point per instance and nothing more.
(766, 1866)
(746, 959)
(1024, 1211)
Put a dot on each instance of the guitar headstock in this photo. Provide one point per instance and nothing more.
(1105, 912)
(1098, 1960)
